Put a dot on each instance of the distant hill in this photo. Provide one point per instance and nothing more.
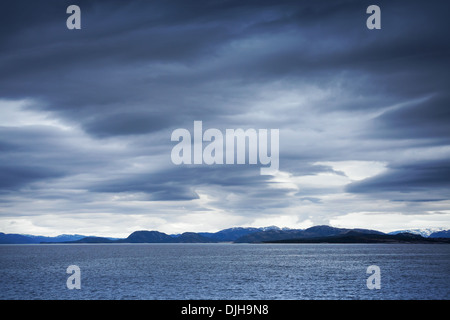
(160, 237)
(363, 237)
(232, 234)
(28, 239)
(317, 231)
(192, 237)
(60, 238)
(270, 234)
(14, 239)
(146, 237)
(88, 240)
(440, 234)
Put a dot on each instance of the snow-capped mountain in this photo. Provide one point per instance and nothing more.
(423, 232)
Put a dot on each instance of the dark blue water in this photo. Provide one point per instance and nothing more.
(225, 271)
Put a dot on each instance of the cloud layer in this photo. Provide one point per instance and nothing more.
(87, 114)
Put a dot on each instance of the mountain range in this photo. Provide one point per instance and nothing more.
(316, 234)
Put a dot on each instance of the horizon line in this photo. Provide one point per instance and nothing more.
(237, 227)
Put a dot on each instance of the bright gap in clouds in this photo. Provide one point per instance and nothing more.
(356, 170)
(17, 113)
(344, 172)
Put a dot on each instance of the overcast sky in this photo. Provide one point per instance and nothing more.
(86, 115)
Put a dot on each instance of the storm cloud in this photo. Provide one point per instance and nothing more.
(87, 115)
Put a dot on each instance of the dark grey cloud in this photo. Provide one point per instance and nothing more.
(13, 177)
(113, 58)
(179, 183)
(422, 120)
(42, 153)
(124, 123)
(417, 177)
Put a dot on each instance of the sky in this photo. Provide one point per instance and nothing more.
(86, 115)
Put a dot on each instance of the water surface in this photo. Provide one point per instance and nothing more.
(225, 271)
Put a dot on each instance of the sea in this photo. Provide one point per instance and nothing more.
(225, 271)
